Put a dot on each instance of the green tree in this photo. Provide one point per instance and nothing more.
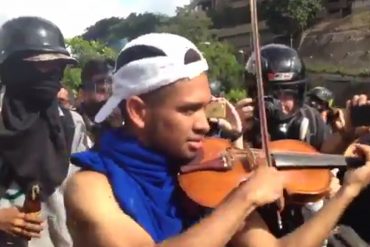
(223, 64)
(195, 26)
(134, 25)
(83, 51)
(112, 29)
(234, 95)
(101, 29)
(291, 16)
(72, 78)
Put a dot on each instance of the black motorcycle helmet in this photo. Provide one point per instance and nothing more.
(282, 69)
(28, 36)
(320, 98)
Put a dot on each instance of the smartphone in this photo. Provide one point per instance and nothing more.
(216, 109)
(360, 115)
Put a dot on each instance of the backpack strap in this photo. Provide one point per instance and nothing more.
(306, 114)
(304, 129)
(316, 126)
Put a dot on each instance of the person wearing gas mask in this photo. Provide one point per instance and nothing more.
(36, 135)
(285, 84)
(288, 116)
(95, 90)
(322, 100)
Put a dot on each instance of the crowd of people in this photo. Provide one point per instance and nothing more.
(107, 160)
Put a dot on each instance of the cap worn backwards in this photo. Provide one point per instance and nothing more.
(148, 73)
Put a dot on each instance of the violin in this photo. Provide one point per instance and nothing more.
(219, 168)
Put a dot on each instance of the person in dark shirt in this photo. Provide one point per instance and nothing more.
(322, 99)
(95, 89)
(37, 136)
(288, 117)
(285, 84)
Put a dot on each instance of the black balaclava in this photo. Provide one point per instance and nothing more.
(32, 141)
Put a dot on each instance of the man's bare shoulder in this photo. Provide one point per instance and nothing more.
(84, 189)
(94, 216)
(87, 181)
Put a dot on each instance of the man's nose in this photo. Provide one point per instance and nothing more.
(202, 125)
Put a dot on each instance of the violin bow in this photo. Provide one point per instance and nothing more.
(260, 89)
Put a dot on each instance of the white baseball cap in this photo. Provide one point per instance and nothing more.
(147, 74)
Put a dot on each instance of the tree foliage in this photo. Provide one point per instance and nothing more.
(72, 78)
(234, 95)
(195, 26)
(101, 30)
(110, 30)
(83, 51)
(291, 16)
(223, 64)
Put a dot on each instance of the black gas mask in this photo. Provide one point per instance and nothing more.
(25, 81)
(294, 91)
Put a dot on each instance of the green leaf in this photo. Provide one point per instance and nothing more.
(83, 51)
(291, 16)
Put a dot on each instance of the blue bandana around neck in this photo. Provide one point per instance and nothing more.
(141, 180)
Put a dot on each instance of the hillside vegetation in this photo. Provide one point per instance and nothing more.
(340, 46)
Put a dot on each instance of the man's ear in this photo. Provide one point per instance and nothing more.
(136, 110)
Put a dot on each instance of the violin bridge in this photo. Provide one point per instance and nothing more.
(227, 160)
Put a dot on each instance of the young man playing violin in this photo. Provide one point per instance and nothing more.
(127, 195)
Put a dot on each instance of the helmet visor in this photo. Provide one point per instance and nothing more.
(50, 57)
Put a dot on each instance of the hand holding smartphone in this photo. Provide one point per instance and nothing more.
(216, 109)
(360, 115)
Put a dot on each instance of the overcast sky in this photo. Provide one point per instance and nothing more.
(74, 16)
